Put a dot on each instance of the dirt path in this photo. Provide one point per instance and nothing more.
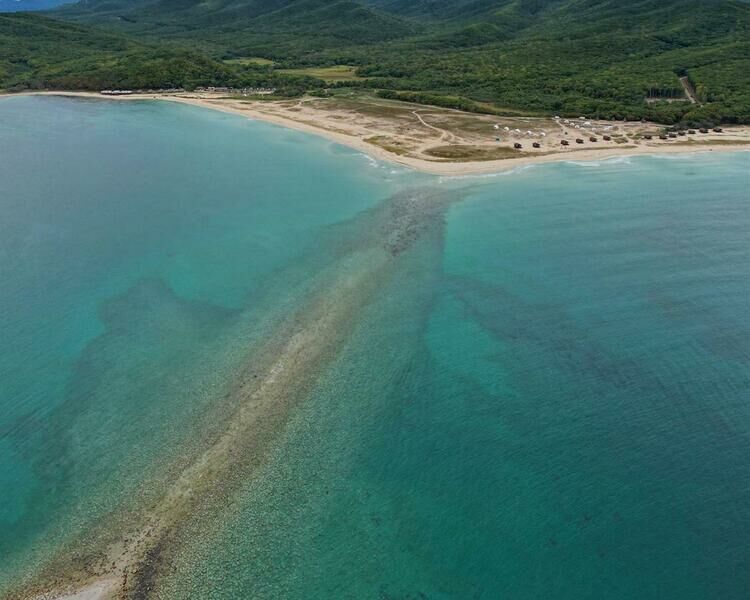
(689, 91)
(445, 136)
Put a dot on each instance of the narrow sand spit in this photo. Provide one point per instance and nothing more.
(362, 133)
(282, 374)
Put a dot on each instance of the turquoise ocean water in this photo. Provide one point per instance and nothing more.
(528, 385)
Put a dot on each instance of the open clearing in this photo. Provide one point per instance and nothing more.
(327, 74)
(250, 60)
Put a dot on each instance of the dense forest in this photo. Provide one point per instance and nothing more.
(605, 58)
(39, 53)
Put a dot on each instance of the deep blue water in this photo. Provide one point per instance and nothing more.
(534, 385)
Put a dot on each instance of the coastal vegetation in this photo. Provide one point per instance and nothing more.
(600, 58)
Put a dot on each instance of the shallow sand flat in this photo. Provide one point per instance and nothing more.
(340, 127)
(104, 589)
(281, 374)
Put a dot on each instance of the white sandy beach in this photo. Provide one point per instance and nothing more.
(733, 140)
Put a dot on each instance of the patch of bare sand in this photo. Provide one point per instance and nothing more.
(104, 589)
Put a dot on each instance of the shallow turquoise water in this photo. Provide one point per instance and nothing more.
(544, 393)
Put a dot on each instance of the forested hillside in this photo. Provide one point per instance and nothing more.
(611, 58)
(41, 53)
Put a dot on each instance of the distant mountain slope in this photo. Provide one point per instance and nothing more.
(29, 5)
(441, 10)
(615, 58)
(40, 53)
(338, 20)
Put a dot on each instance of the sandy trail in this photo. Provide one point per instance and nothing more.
(445, 136)
(688, 89)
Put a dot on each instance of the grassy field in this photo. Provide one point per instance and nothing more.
(327, 74)
(388, 143)
(250, 60)
(475, 153)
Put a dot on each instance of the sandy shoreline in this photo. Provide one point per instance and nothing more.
(260, 111)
